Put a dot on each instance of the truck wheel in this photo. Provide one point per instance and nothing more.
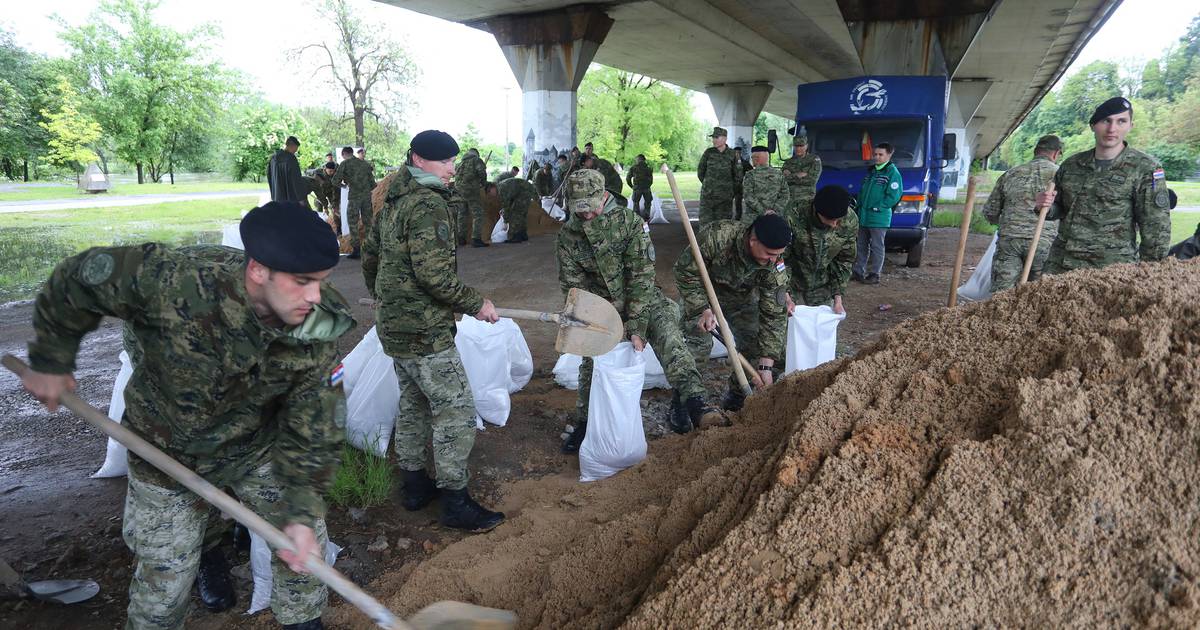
(914, 254)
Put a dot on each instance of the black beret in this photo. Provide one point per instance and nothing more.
(831, 202)
(1114, 105)
(286, 236)
(432, 144)
(332, 165)
(292, 140)
(772, 230)
(758, 148)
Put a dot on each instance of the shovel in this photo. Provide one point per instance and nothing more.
(57, 591)
(444, 614)
(588, 325)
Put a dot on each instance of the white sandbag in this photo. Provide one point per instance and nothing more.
(566, 370)
(115, 463)
(555, 211)
(979, 286)
(372, 395)
(231, 236)
(615, 439)
(344, 210)
(811, 337)
(497, 361)
(500, 232)
(260, 568)
(656, 377)
(656, 212)
(719, 351)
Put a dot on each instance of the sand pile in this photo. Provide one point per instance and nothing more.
(1031, 460)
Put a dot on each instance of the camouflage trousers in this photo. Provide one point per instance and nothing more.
(641, 202)
(358, 212)
(1009, 261)
(516, 215)
(165, 527)
(435, 404)
(742, 314)
(473, 206)
(664, 336)
(458, 214)
(715, 207)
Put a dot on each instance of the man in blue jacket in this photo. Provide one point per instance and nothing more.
(880, 192)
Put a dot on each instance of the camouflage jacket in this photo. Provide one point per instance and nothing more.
(410, 268)
(469, 176)
(611, 256)
(820, 258)
(640, 177)
(1012, 207)
(516, 192)
(543, 181)
(763, 189)
(735, 275)
(213, 386)
(802, 174)
(357, 174)
(324, 189)
(612, 179)
(1102, 211)
(718, 171)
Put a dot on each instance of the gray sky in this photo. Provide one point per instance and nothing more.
(464, 75)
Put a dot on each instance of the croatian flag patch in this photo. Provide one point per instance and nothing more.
(335, 377)
(1159, 174)
(779, 266)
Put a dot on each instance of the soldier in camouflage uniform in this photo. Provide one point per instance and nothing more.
(410, 269)
(356, 173)
(1011, 207)
(515, 196)
(605, 248)
(234, 379)
(326, 192)
(823, 247)
(718, 171)
(469, 177)
(1104, 195)
(802, 171)
(458, 215)
(640, 179)
(763, 188)
(738, 188)
(543, 180)
(512, 172)
(745, 264)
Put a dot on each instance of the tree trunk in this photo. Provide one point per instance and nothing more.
(172, 173)
(25, 167)
(141, 179)
(358, 125)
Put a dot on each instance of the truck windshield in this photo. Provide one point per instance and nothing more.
(849, 143)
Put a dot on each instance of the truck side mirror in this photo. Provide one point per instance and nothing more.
(949, 146)
(772, 140)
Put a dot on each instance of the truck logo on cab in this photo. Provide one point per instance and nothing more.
(868, 96)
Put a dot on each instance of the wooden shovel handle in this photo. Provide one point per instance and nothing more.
(746, 365)
(255, 523)
(962, 242)
(517, 313)
(1037, 235)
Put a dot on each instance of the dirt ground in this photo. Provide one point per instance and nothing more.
(55, 522)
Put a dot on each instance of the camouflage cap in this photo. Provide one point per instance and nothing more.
(585, 191)
(800, 141)
(717, 132)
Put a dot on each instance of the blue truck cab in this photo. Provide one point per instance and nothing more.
(845, 119)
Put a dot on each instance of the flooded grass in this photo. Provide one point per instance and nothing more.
(31, 244)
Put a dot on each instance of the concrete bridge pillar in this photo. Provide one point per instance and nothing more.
(738, 106)
(549, 53)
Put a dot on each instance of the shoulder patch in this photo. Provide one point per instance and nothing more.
(443, 231)
(97, 268)
(1162, 198)
(895, 185)
(645, 227)
(335, 377)
(779, 266)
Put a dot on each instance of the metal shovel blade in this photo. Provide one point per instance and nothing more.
(589, 325)
(63, 591)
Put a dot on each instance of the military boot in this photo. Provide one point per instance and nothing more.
(460, 511)
(213, 583)
(697, 409)
(677, 417)
(475, 242)
(356, 254)
(734, 399)
(575, 439)
(313, 624)
(419, 490)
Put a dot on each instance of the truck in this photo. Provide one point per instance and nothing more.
(846, 118)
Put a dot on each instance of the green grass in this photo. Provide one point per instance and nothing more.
(1183, 225)
(1188, 192)
(364, 479)
(950, 215)
(689, 186)
(66, 191)
(32, 243)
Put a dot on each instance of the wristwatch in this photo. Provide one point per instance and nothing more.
(764, 368)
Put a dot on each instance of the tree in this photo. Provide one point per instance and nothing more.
(27, 86)
(1153, 85)
(364, 62)
(624, 114)
(71, 132)
(149, 86)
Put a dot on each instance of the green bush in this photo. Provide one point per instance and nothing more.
(1178, 160)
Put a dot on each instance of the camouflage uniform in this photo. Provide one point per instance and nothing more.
(751, 295)
(718, 171)
(763, 189)
(515, 196)
(327, 199)
(613, 257)
(1100, 207)
(357, 173)
(640, 179)
(458, 214)
(1012, 207)
(469, 177)
(409, 267)
(612, 180)
(244, 405)
(820, 258)
(801, 174)
(543, 181)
